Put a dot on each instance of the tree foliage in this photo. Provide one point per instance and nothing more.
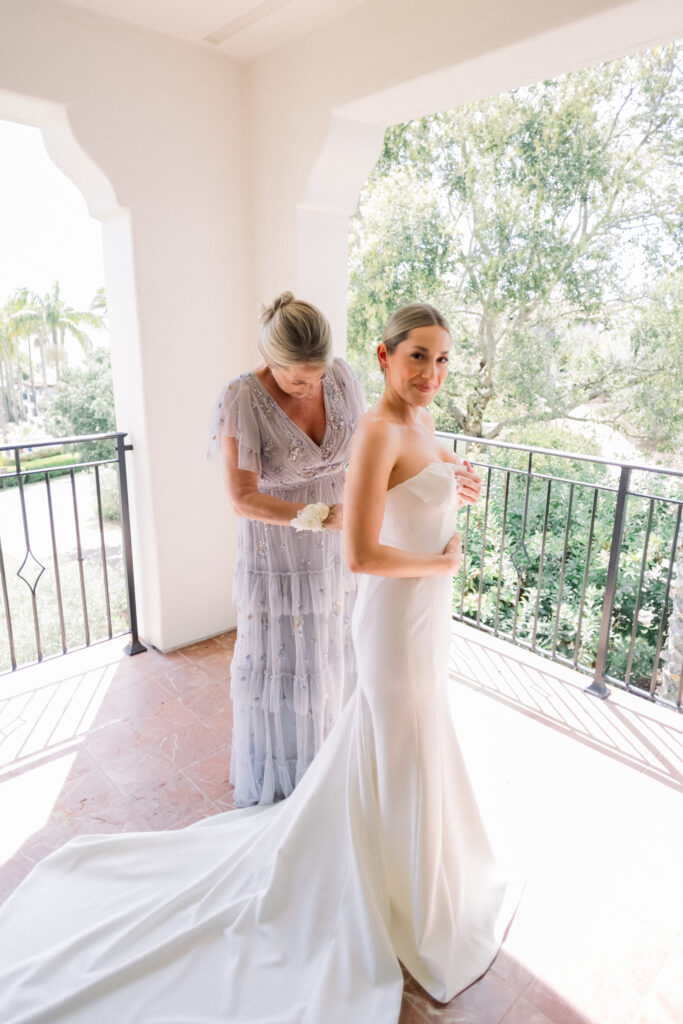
(34, 326)
(11, 373)
(536, 555)
(47, 320)
(84, 403)
(650, 401)
(547, 225)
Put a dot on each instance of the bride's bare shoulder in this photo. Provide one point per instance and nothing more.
(376, 439)
(375, 427)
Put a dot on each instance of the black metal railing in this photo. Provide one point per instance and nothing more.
(66, 563)
(575, 565)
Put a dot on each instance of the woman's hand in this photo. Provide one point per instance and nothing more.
(469, 484)
(453, 553)
(335, 520)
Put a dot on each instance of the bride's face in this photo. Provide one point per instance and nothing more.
(417, 368)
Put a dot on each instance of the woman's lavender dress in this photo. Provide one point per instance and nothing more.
(293, 667)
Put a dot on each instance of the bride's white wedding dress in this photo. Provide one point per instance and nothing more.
(296, 913)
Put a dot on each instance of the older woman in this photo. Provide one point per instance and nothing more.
(285, 433)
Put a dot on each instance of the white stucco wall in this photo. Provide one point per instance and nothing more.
(221, 184)
(163, 122)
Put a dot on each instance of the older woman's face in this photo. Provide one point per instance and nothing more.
(300, 380)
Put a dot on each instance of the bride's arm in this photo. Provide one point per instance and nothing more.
(373, 455)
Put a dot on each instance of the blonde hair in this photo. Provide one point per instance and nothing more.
(292, 331)
(404, 320)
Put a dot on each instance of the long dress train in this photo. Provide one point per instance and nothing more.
(296, 913)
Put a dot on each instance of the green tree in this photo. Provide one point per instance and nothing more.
(48, 320)
(536, 221)
(8, 349)
(648, 403)
(12, 332)
(98, 306)
(84, 403)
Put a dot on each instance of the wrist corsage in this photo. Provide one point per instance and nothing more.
(312, 517)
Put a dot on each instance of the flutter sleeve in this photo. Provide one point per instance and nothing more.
(353, 392)
(233, 415)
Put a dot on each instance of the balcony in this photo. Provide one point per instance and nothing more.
(583, 794)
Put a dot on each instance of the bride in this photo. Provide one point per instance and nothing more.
(299, 913)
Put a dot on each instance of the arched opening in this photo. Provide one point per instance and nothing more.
(539, 223)
(352, 146)
(354, 130)
(52, 272)
(65, 526)
(69, 156)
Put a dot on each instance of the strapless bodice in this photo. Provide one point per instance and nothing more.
(419, 514)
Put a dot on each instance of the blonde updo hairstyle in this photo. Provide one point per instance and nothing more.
(407, 319)
(292, 331)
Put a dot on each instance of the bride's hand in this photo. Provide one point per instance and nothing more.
(469, 484)
(453, 553)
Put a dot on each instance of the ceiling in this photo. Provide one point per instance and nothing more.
(243, 29)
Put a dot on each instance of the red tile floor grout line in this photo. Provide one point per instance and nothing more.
(98, 742)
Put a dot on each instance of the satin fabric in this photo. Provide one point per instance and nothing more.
(297, 913)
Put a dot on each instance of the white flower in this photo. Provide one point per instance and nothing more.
(311, 517)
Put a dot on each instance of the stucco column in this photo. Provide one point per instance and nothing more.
(331, 192)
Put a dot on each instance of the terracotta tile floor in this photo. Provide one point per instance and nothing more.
(583, 795)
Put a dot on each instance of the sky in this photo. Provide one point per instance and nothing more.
(46, 233)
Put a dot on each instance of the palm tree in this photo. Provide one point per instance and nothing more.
(14, 331)
(7, 356)
(49, 319)
(25, 322)
(98, 305)
(67, 320)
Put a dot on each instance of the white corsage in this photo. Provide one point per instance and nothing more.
(311, 517)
